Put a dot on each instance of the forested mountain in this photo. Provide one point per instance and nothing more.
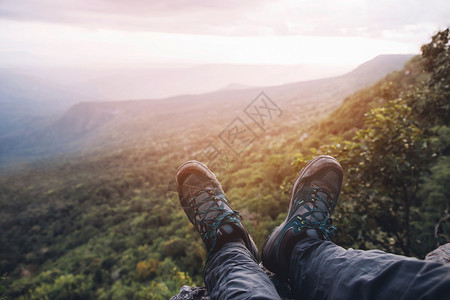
(30, 95)
(106, 224)
(94, 125)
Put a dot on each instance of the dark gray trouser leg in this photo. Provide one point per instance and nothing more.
(232, 273)
(323, 270)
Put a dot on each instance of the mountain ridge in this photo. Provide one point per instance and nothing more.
(96, 124)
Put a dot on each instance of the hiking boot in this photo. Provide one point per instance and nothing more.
(206, 206)
(313, 199)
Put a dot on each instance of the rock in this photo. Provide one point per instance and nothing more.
(441, 254)
(191, 293)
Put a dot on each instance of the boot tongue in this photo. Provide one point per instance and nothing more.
(205, 206)
(314, 204)
(228, 233)
(322, 195)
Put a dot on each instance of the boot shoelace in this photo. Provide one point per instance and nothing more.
(218, 215)
(315, 217)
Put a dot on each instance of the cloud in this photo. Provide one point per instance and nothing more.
(371, 19)
(176, 16)
(379, 19)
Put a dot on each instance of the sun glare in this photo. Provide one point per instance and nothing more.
(53, 44)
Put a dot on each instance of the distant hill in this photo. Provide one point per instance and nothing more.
(90, 126)
(37, 91)
(381, 65)
(236, 86)
(28, 96)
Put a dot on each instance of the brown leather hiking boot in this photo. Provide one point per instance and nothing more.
(313, 199)
(206, 206)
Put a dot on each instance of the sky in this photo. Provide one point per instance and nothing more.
(139, 32)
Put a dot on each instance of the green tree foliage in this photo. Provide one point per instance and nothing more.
(431, 217)
(164, 289)
(147, 268)
(3, 280)
(392, 156)
(431, 100)
(384, 162)
(64, 287)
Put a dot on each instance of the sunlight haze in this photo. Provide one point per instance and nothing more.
(243, 32)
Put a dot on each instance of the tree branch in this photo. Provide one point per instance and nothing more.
(438, 224)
